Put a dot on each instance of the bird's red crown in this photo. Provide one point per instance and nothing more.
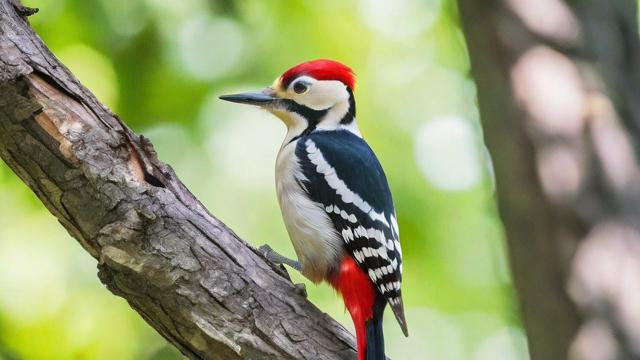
(321, 69)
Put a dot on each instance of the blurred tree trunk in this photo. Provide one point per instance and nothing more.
(190, 277)
(559, 95)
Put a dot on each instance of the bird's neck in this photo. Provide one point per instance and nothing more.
(340, 116)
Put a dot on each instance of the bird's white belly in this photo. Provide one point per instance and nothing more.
(312, 233)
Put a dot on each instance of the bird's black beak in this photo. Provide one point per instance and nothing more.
(259, 98)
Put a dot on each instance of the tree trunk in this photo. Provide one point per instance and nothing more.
(191, 278)
(558, 85)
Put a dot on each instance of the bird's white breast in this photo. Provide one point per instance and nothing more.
(312, 233)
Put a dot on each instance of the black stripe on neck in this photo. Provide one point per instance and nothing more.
(351, 112)
(312, 116)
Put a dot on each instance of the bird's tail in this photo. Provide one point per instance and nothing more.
(374, 348)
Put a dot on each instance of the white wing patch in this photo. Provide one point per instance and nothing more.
(323, 167)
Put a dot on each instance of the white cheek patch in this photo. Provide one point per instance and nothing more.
(323, 94)
(293, 121)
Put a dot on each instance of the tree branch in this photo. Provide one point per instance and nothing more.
(189, 276)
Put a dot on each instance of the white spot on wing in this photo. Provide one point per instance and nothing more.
(394, 263)
(390, 244)
(382, 252)
(358, 255)
(347, 234)
(372, 275)
(380, 237)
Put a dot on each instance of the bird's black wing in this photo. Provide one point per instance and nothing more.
(343, 175)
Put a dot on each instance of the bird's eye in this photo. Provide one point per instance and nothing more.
(300, 87)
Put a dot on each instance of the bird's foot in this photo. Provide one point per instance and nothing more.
(301, 289)
(276, 258)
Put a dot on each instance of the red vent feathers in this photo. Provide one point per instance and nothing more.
(359, 297)
(321, 69)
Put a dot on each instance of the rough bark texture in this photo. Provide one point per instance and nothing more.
(558, 89)
(190, 277)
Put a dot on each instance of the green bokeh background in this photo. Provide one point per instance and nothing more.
(160, 64)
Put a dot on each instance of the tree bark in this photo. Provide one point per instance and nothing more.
(190, 277)
(558, 89)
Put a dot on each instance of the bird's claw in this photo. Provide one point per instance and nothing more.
(274, 259)
(268, 253)
(301, 289)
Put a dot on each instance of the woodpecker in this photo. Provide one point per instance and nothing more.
(334, 196)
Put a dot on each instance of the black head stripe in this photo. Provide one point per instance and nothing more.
(312, 116)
